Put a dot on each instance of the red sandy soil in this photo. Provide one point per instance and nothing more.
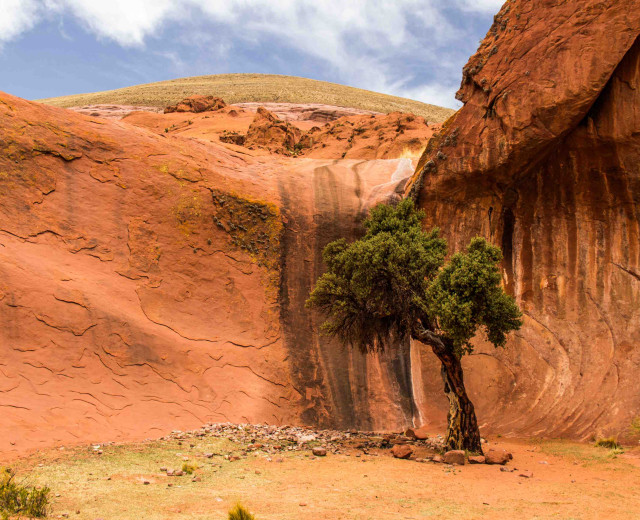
(545, 480)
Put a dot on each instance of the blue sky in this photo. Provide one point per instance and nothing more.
(411, 48)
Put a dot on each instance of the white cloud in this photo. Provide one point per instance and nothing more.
(17, 16)
(361, 40)
(433, 93)
(127, 22)
(481, 6)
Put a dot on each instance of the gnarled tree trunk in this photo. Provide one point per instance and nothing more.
(462, 425)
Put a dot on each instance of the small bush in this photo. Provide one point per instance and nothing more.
(240, 513)
(188, 468)
(18, 499)
(608, 442)
(635, 426)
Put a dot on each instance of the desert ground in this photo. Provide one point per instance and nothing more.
(280, 479)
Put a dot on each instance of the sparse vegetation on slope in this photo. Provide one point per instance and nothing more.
(20, 499)
(238, 88)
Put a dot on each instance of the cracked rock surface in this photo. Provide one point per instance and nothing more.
(544, 160)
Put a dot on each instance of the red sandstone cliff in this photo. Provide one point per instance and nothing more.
(544, 159)
(149, 283)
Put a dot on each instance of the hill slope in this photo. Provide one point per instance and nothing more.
(237, 88)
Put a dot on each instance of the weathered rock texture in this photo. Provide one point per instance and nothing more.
(544, 159)
(197, 104)
(149, 283)
(273, 134)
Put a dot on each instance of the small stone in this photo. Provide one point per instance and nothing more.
(196, 479)
(437, 459)
(146, 482)
(303, 504)
(454, 457)
(209, 455)
(402, 451)
(258, 472)
(526, 474)
(319, 452)
(178, 473)
(494, 456)
(504, 469)
(476, 459)
(163, 469)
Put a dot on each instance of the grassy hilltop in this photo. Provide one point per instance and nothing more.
(238, 88)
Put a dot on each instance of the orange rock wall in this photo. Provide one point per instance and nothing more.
(149, 283)
(544, 159)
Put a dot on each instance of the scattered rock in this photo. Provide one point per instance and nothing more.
(319, 452)
(197, 104)
(146, 482)
(526, 474)
(267, 131)
(496, 456)
(476, 459)
(438, 459)
(454, 457)
(402, 451)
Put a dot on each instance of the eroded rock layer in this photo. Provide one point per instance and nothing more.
(544, 159)
(149, 283)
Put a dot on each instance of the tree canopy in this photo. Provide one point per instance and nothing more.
(395, 280)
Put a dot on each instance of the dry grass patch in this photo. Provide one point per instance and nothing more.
(238, 88)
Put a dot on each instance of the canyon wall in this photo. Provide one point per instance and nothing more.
(544, 160)
(149, 283)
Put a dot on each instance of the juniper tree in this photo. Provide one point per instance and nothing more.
(395, 283)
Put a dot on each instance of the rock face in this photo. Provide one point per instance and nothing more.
(276, 135)
(152, 282)
(376, 136)
(197, 104)
(544, 160)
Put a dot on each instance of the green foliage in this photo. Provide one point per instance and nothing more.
(375, 288)
(467, 294)
(18, 499)
(188, 468)
(635, 426)
(240, 513)
(394, 279)
(609, 443)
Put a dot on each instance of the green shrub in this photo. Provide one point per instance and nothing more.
(608, 442)
(189, 468)
(19, 499)
(240, 513)
(635, 426)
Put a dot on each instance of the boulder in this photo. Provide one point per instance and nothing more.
(269, 132)
(454, 457)
(197, 104)
(402, 451)
(421, 433)
(319, 452)
(476, 459)
(495, 456)
(438, 459)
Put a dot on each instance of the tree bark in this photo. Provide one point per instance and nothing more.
(462, 425)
